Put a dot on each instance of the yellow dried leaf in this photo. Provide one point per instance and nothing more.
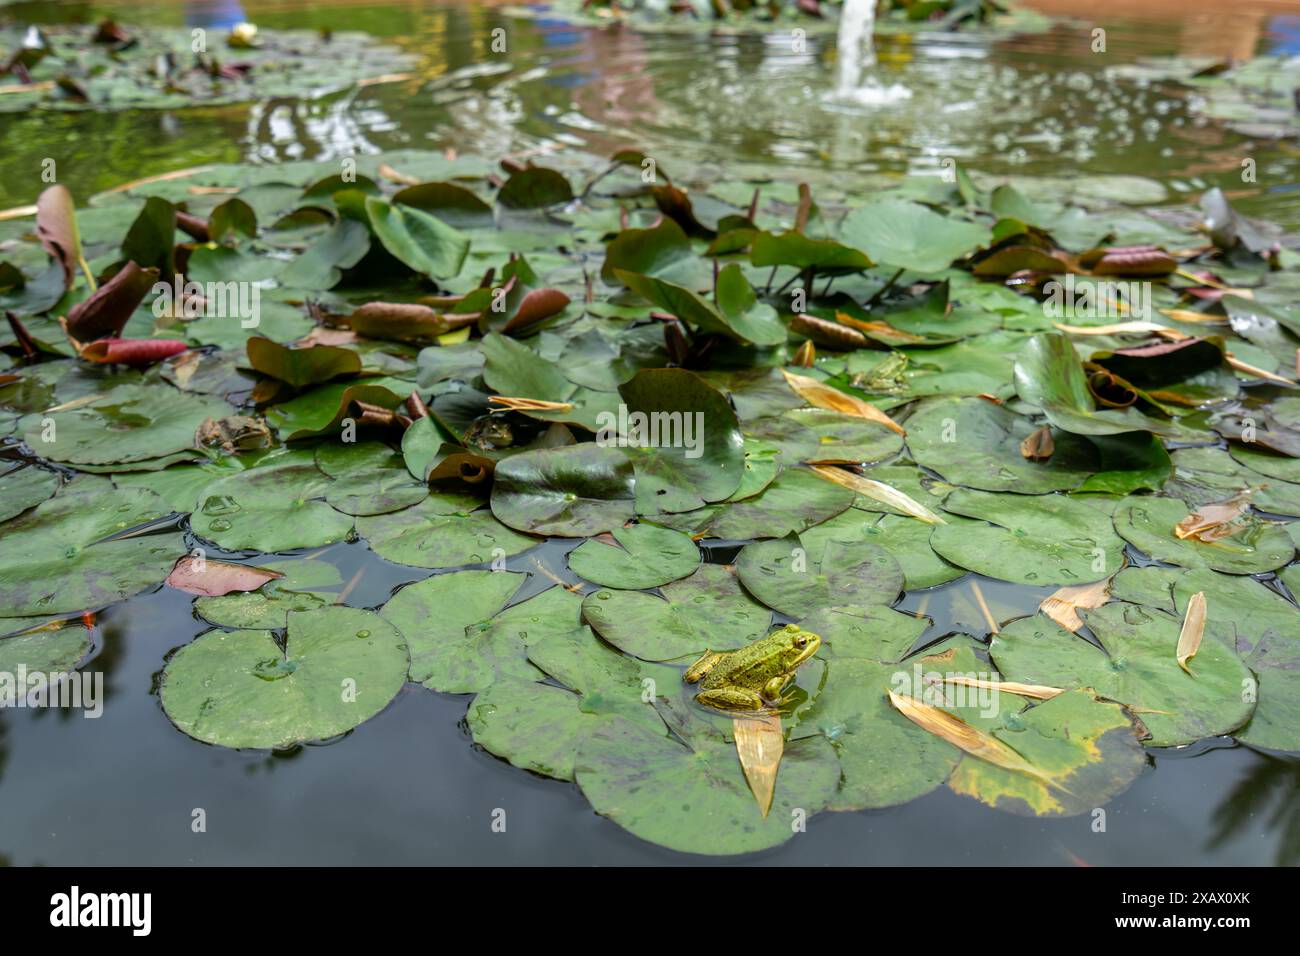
(878, 491)
(1063, 605)
(821, 395)
(1213, 521)
(397, 176)
(969, 739)
(805, 357)
(1036, 691)
(760, 744)
(1189, 639)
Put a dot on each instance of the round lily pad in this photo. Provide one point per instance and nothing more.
(873, 631)
(1136, 665)
(128, 423)
(425, 537)
(273, 507)
(307, 584)
(462, 641)
(23, 487)
(818, 434)
(645, 556)
(973, 442)
(1148, 524)
(42, 652)
(1040, 539)
(55, 558)
(699, 801)
(796, 500)
(707, 610)
(797, 577)
(339, 667)
(574, 491)
(369, 479)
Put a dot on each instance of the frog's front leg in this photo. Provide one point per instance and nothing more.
(701, 667)
(774, 689)
(731, 698)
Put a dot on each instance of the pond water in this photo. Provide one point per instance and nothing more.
(408, 787)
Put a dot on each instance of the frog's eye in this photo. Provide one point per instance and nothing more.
(800, 641)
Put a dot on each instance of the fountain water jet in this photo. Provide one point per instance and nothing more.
(856, 30)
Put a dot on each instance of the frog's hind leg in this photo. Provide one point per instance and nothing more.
(731, 699)
(701, 667)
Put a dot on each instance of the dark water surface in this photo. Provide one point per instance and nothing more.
(408, 786)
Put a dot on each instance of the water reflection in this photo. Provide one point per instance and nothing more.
(1266, 799)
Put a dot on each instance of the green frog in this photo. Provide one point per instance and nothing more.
(753, 679)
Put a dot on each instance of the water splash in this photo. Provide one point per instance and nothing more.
(856, 47)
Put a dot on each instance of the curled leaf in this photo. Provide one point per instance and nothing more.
(134, 352)
(213, 578)
(1189, 639)
(104, 314)
(1213, 521)
(1063, 605)
(1036, 691)
(1038, 445)
(824, 396)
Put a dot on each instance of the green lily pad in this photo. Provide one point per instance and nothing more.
(907, 235)
(273, 507)
(795, 501)
(128, 423)
(417, 238)
(975, 443)
(682, 437)
(441, 532)
(1135, 665)
(572, 492)
(1050, 375)
(699, 801)
(1087, 748)
(818, 434)
(1042, 539)
(55, 558)
(339, 667)
(1148, 524)
(369, 479)
(800, 575)
(708, 610)
(540, 727)
(23, 487)
(306, 585)
(645, 557)
(43, 652)
(874, 632)
(461, 642)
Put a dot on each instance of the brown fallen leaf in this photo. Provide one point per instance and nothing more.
(821, 395)
(1189, 639)
(825, 332)
(760, 744)
(963, 736)
(538, 304)
(878, 491)
(1062, 606)
(396, 176)
(1038, 446)
(213, 578)
(1213, 521)
(56, 228)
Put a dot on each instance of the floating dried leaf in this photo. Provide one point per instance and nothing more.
(878, 491)
(760, 744)
(1038, 445)
(1189, 639)
(1063, 605)
(824, 396)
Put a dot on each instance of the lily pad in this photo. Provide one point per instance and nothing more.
(1043, 539)
(798, 575)
(1136, 665)
(697, 800)
(1148, 524)
(706, 611)
(338, 668)
(306, 585)
(645, 557)
(571, 492)
(442, 532)
(56, 558)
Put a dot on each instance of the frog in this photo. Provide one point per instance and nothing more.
(234, 434)
(489, 434)
(755, 678)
